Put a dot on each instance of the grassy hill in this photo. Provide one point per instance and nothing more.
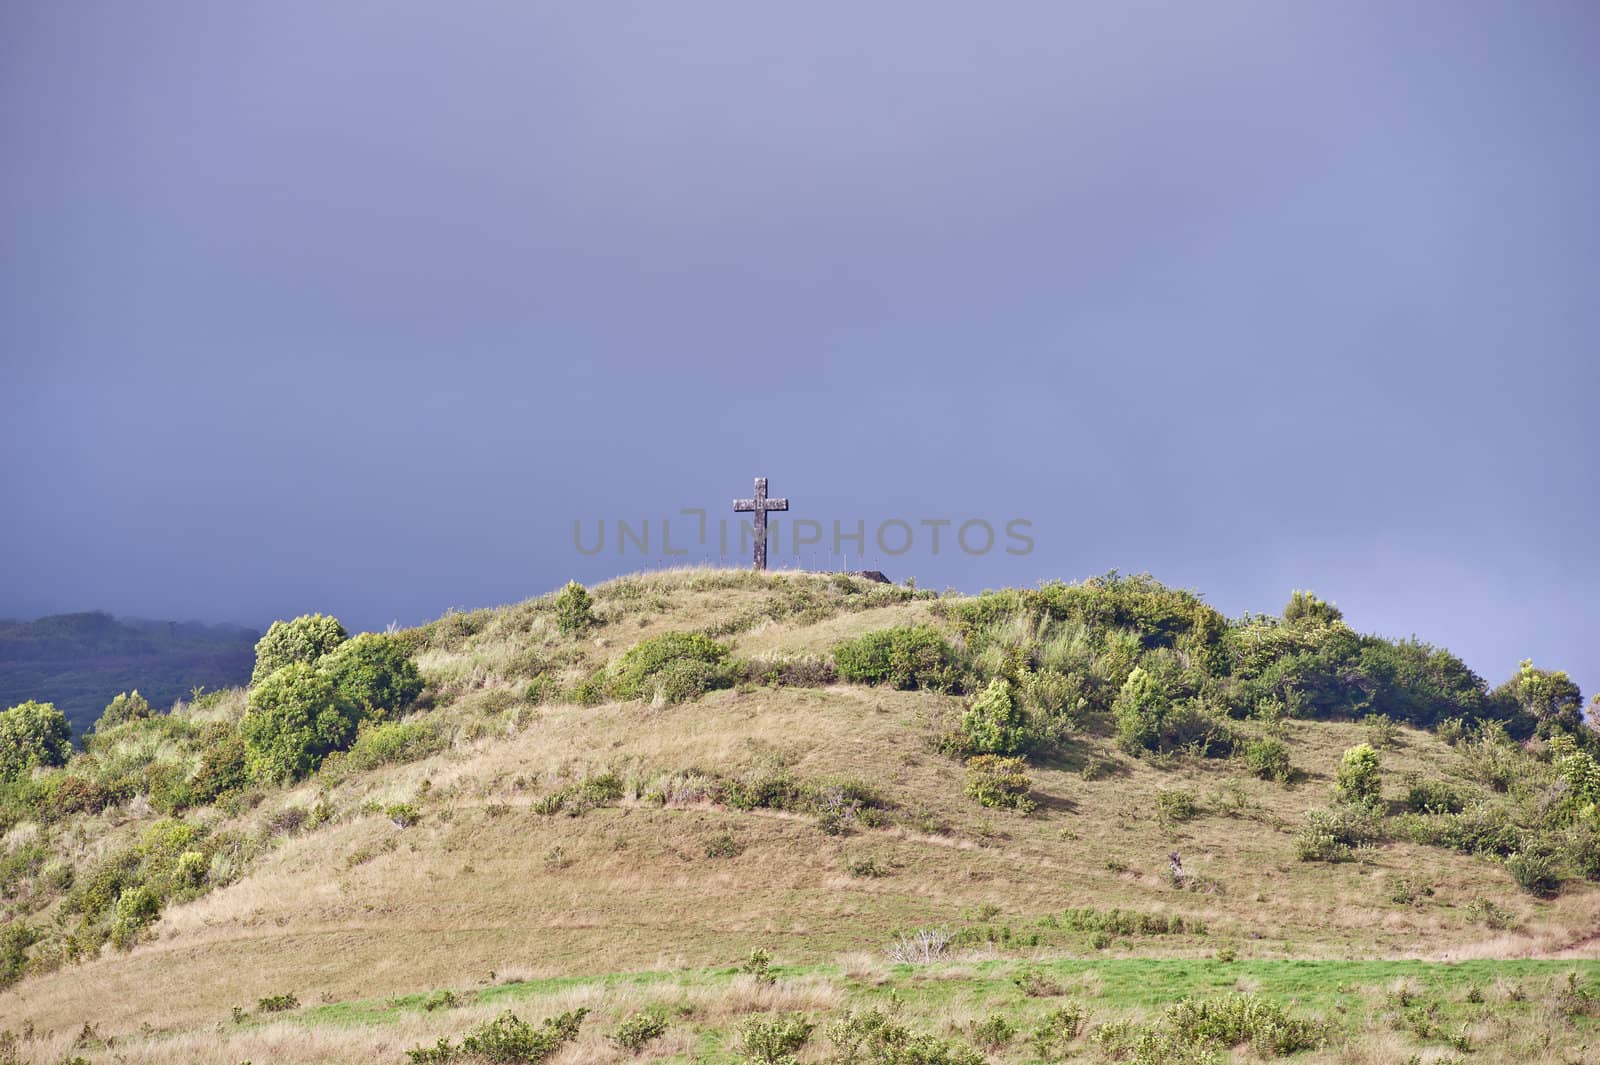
(566, 822)
(80, 661)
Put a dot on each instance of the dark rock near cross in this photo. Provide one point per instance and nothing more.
(760, 505)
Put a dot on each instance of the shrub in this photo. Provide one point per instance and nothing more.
(1139, 708)
(441, 1000)
(278, 1003)
(223, 769)
(1359, 779)
(128, 706)
(304, 640)
(1057, 1028)
(32, 734)
(993, 1032)
(1382, 731)
(1129, 922)
(774, 1040)
(1175, 804)
(906, 657)
(994, 723)
(1239, 1019)
(639, 1031)
(1433, 796)
(921, 946)
(1583, 851)
(1305, 606)
(15, 939)
(506, 1040)
(403, 814)
(672, 667)
(1268, 759)
(136, 908)
(374, 673)
(1000, 783)
(1534, 871)
(873, 1037)
(390, 743)
(723, 845)
(1330, 835)
(295, 719)
(759, 968)
(1493, 916)
(574, 609)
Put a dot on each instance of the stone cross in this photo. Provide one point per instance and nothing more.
(761, 504)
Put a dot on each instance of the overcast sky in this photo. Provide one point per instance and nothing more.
(357, 307)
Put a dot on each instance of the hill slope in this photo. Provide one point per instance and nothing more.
(547, 846)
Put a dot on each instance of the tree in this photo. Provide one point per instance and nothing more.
(1360, 779)
(129, 706)
(295, 720)
(374, 672)
(994, 723)
(1544, 701)
(305, 639)
(1140, 708)
(574, 611)
(1305, 606)
(33, 734)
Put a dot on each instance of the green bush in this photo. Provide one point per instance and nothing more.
(574, 609)
(32, 734)
(1175, 804)
(1305, 606)
(1582, 847)
(1140, 707)
(639, 1031)
(1056, 1029)
(15, 939)
(774, 1040)
(223, 770)
(403, 814)
(1268, 759)
(278, 1003)
(1000, 783)
(994, 723)
(874, 1037)
(993, 1032)
(1240, 1019)
(128, 706)
(389, 743)
(295, 719)
(1331, 835)
(1359, 779)
(374, 673)
(136, 908)
(304, 640)
(674, 667)
(1534, 870)
(1433, 797)
(907, 658)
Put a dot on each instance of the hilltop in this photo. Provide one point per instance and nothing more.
(718, 799)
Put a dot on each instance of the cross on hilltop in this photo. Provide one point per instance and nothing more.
(761, 504)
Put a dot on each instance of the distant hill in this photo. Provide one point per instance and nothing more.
(79, 661)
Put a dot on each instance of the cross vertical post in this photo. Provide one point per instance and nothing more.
(760, 505)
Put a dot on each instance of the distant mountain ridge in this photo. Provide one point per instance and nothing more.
(79, 661)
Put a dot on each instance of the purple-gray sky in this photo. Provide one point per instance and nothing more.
(356, 307)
